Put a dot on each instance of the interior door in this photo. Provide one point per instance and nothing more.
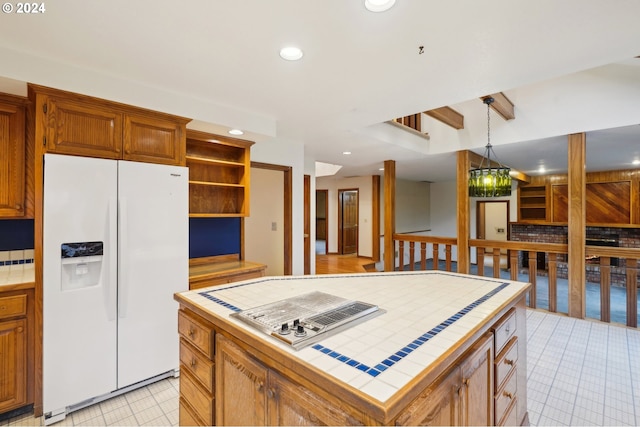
(348, 221)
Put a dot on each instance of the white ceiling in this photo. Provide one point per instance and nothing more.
(568, 66)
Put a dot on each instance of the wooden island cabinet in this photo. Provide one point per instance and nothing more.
(449, 349)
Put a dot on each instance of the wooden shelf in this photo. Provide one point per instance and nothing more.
(532, 203)
(219, 172)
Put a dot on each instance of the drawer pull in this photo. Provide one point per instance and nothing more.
(260, 386)
(508, 394)
(508, 362)
(191, 333)
(271, 393)
(193, 362)
(465, 382)
(506, 329)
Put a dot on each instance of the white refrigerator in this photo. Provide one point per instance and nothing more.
(115, 251)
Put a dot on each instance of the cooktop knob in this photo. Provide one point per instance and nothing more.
(284, 329)
(300, 332)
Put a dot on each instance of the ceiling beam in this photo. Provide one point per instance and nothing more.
(448, 116)
(501, 105)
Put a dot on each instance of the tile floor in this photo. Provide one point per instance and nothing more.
(580, 372)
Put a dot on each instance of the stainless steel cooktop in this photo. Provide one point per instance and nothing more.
(306, 319)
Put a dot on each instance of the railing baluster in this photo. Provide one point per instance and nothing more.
(423, 256)
(480, 261)
(496, 263)
(605, 289)
(514, 265)
(553, 282)
(436, 255)
(401, 255)
(533, 272)
(412, 256)
(632, 292)
(447, 254)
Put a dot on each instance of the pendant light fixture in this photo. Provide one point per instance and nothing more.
(489, 180)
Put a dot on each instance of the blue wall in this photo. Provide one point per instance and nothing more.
(213, 236)
(16, 234)
(207, 236)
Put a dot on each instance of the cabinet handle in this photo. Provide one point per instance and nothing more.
(193, 362)
(19, 207)
(508, 394)
(506, 329)
(508, 362)
(191, 333)
(271, 393)
(260, 386)
(19, 329)
(466, 382)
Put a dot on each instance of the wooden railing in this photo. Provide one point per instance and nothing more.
(428, 248)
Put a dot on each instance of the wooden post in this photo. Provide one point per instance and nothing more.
(389, 214)
(375, 217)
(577, 225)
(462, 202)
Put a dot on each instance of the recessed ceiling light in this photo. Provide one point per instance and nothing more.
(291, 53)
(542, 169)
(346, 153)
(379, 5)
(236, 132)
(636, 162)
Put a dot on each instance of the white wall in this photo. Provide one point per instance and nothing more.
(262, 243)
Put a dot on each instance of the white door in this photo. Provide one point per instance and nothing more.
(154, 264)
(79, 295)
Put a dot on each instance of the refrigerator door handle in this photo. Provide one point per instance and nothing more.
(109, 260)
(123, 259)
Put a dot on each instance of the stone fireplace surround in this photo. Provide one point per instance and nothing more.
(543, 233)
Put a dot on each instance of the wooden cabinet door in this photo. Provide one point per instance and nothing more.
(12, 159)
(80, 128)
(154, 140)
(293, 405)
(438, 405)
(477, 384)
(13, 375)
(241, 382)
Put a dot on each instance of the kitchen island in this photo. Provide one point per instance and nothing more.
(449, 349)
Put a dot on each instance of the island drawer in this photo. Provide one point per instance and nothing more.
(187, 415)
(13, 306)
(504, 330)
(196, 333)
(506, 362)
(510, 418)
(197, 365)
(201, 402)
(505, 396)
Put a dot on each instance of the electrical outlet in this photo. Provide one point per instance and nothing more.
(274, 226)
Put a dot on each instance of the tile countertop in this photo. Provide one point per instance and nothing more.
(427, 313)
(16, 269)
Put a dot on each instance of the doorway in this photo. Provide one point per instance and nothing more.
(348, 221)
(493, 224)
(322, 222)
(267, 231)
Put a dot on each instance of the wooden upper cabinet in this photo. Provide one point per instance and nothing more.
(154, 139)
(82, 128)
(69, 123)
(12, 156)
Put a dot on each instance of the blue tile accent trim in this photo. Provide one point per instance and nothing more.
(16, 262)
(392, 359)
